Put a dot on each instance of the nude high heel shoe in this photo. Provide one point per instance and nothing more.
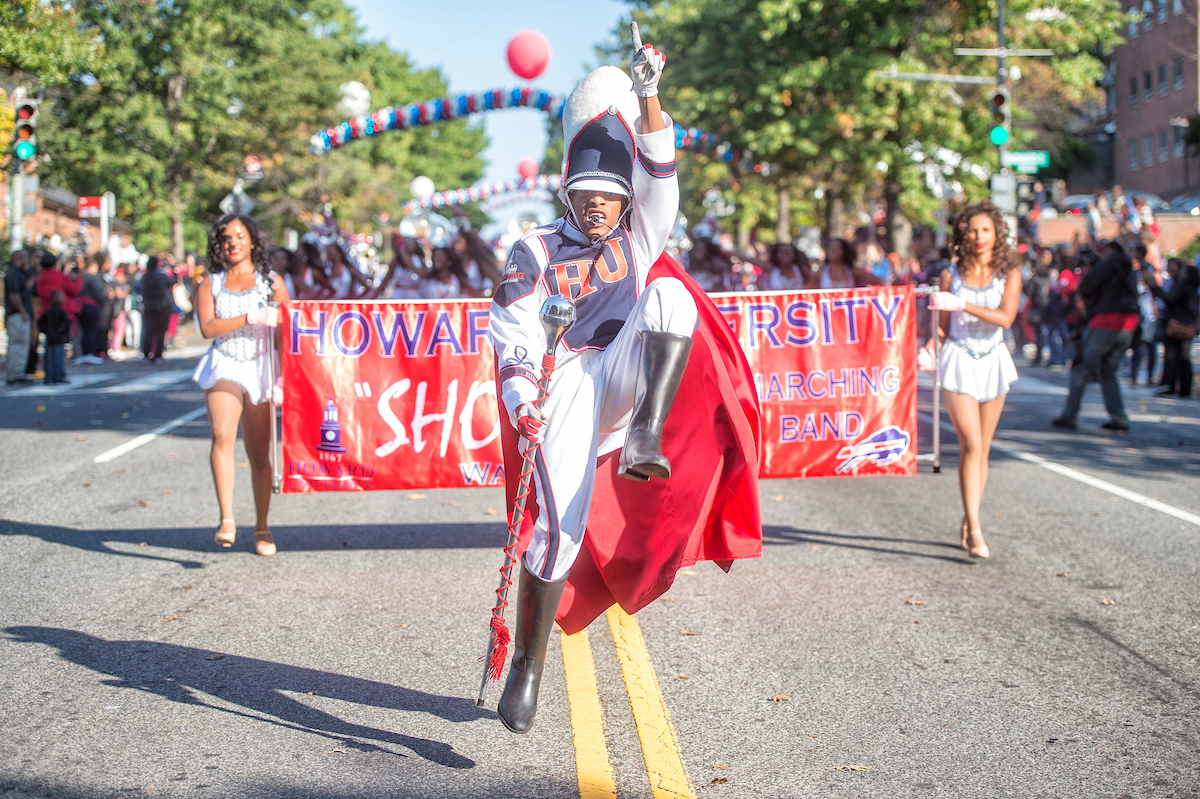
(980, 550)
(264, 543)
(226, 533)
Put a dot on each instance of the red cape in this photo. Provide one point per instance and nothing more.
(640, 534)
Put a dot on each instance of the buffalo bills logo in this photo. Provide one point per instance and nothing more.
(883, 448)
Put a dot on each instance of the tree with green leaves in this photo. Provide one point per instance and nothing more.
(186, 89)
(794, 82)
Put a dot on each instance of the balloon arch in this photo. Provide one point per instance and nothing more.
(443, 109)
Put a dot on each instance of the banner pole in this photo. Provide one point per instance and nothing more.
(276, 466)
(937, 397)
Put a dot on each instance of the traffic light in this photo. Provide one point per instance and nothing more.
(1026, 197)
(1001, 116)
(25, 130)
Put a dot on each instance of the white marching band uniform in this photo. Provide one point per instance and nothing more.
(239, 356)
(974, 359)
(592, 391)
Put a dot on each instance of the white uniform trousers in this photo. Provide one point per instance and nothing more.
(591, 397)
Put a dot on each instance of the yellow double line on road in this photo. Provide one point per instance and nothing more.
(660, 747)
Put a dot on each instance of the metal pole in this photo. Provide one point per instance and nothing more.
(276, 463)
(1001, 71)
(937, 396)
(16, 224)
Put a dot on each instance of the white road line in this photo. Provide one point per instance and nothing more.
(77, 381)
(146, 438)
(1086, 479)
(149, 382)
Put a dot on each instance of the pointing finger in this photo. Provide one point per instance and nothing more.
(637, 36)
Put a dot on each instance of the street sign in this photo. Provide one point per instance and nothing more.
(236, 201)
(1004, 192)
(90, 207)
(1027, 162)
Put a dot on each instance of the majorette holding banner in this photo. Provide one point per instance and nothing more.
(402, 395)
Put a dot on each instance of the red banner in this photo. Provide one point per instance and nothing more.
(401, 395)
(836, 378)
(388, 395)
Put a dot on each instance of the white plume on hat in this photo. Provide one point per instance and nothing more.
(607, 89)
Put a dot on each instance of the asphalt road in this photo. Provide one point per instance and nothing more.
(862, 656)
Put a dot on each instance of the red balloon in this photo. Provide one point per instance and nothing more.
(527, 168)
(528, 54)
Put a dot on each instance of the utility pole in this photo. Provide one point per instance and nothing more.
(16, 217)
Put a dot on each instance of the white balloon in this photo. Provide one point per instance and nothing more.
(356, 99)
(422, 187)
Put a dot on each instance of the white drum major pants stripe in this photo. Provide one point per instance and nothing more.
(591, 397)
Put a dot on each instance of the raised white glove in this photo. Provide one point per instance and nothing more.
(925, 360)
(647, 65)
(263, 316)
(277, 392)
(945, 301)
(530, 422)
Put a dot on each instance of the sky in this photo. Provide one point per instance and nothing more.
(467, 40)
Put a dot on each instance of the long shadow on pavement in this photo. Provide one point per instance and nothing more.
(183, 674)
(790, 535)
(289, 539)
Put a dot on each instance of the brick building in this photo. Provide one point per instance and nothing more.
(1156, 79)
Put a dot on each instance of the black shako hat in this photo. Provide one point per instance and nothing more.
(598, 121)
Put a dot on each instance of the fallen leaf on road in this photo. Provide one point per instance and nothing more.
(780, 698)
(916, 622)
(175, 618)
(310, 693)
(681, 677)
(913, 602)
(852, 768)
(491, 511)
(142, 543)
(335, 751)
(1108, 601)
(1095, 514)
(87, 485)
(401, 625)
(1062, 574)
(921, 658)
(215, 657)
(669, 599)
(414, 496)
(118, 471)
(168, 491)
(778, 498)
(720, 767)
(184, 587)
(718, 781)
(41, 408)
(81, 438)
(691, 633)
(143, 503)
(688, 573)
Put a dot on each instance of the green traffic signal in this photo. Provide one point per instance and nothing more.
(999, 135)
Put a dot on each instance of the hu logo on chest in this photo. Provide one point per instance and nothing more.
(603, 285)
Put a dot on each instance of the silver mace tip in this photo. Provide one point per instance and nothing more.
(558, 313)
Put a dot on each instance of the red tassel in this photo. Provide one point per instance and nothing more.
(500, 642)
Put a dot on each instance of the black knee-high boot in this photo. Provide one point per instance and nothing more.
(537, 603)
(664, 357)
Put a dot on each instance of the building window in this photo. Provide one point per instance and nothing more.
(1147, 86)
(1178, 151)
(1162, 145)
(1133, 21)
(1148, 150)
(1162, 78)
(1135, 156)
(1177, 7)
(1162, 11)
(1133, 93)
(1178, 72)
(1147, 15)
